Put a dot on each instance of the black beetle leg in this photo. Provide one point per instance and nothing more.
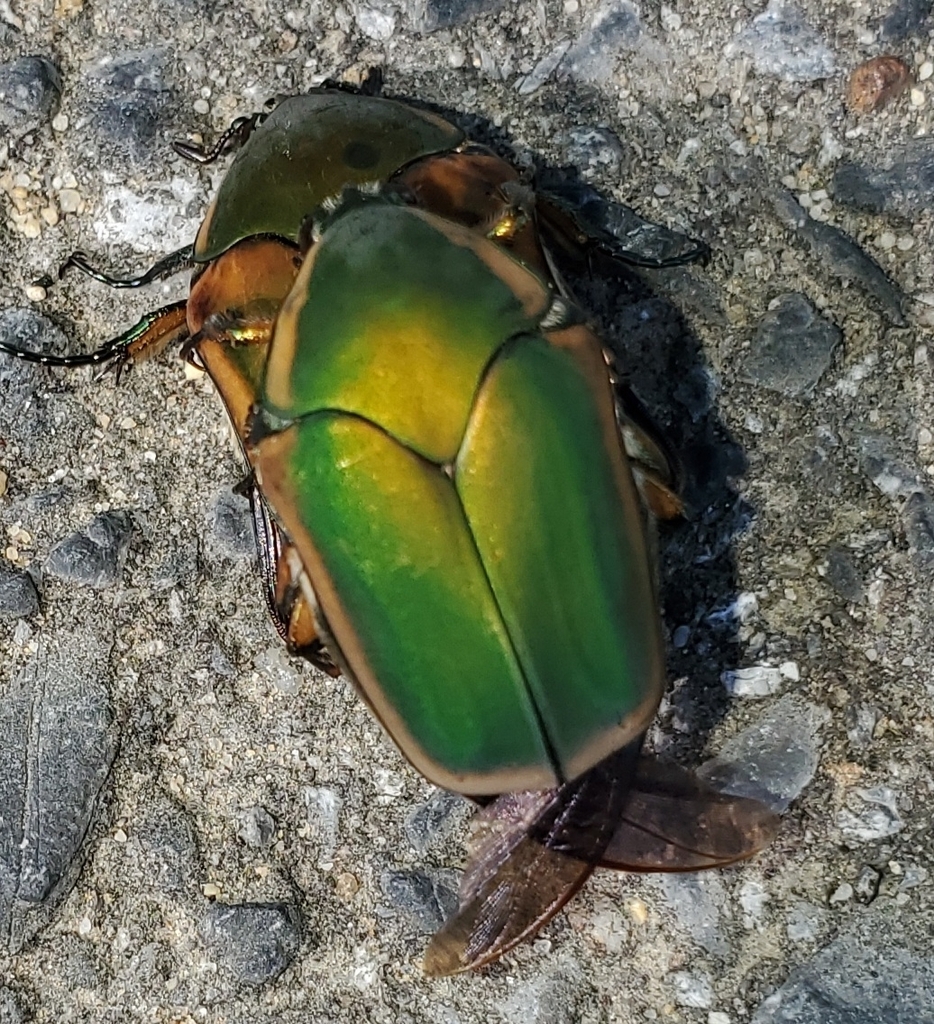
(147, 338)
(181, 259)
(241, 128)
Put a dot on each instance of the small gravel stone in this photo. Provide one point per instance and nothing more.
(867, 884)
(842, 894)
(257, 827)
(323, 807)
(30, 89)
(256, 942)
(841, 255)
(860, 724)
(693, 990)
(804, 922)
(697, 902)
(755, 681)
(428, 897)
(877, 82)
(18, 595)
(94, 556)
(842, 574)
(614, 29)
(793, 347)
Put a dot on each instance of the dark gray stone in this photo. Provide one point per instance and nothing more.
(431, 15)
(231, 525)
(843, 575)
(18, 594)
(918, 517)
(427, 897)
(256, 942)
(59, 740)
(257, 827)
(842, 256)
(433, 820)
(851, 983)
(22, 416)
(30, 89)
(792, 348)
(904, 186)
(130, 103)
(780, 42)
(94, 556)
(905, 18)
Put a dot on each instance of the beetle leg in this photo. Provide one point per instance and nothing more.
(241, 128)
(175, 262)
(564, 229)
(147, 338)
(281, 572)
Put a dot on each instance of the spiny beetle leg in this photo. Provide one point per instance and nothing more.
(292, 615)
(240, 130)
(147, 338)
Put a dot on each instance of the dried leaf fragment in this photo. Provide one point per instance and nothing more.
(876, 82)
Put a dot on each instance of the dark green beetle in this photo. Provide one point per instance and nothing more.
(444, 504)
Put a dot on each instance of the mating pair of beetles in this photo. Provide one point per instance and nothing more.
(449, 497)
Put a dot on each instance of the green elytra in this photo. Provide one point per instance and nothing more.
(309, 148)
(448, 466)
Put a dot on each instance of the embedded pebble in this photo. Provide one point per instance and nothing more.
(30, 89)
(852, 982)
(793, 347)
(429, 897)
(18, 595)
(902, 187)
(231, 523)
(94, 556)
(755, 681)
(128, 101)
(843, 575)
(842, 256)
(255, 942)
(860, 724)
(697, 902)
(257, 827)
(60, 738)
(867, 883)
(905, 18)
(804, 922)
(323, 807)
(774, 759)
(693, 990)
(870, 814)
(614, 29)
(430, 822)
(780, 42)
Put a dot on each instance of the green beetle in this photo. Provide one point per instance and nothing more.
(444, 504)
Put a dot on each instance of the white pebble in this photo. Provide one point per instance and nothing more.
(925, 71)
(886, 240)
(35, 292)
(60, 123)
(917, 97)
